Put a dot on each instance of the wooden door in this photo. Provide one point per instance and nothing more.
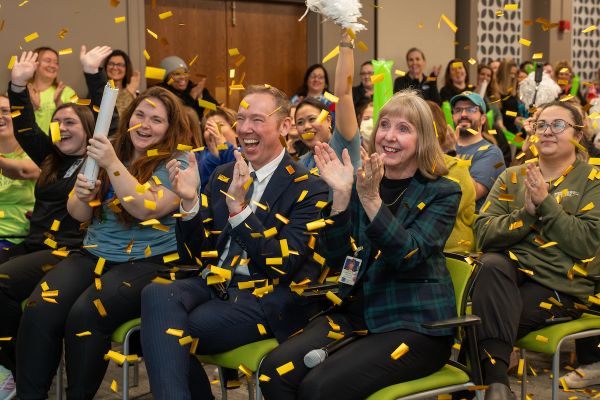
(272, 44)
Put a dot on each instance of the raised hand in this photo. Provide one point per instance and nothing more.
(101, 149)
(214, 138)
(368, 179)
(435, 71)
(536, 184)
(185, 182)
(196, 91)
(24, 68)
(58, 93)
(239, 185)
(134, 83)
(91, 60)
(339, 175)
(84, 190)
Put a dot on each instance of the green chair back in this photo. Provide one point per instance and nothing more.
(462, 274)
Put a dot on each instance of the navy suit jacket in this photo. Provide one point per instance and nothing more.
(209, 230)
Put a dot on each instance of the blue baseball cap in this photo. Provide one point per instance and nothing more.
(474, 98)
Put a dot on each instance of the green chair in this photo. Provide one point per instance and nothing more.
(586, 326)
(250, 355)
(453, 377)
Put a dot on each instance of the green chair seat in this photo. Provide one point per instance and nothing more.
(118, 335)
(447, 376)
(250, 355)
(555, 333)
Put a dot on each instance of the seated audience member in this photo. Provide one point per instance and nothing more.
(224, 317)
(416, 78)
(45, 90)
(363, 91)
(177, 80)
(563, 75)
(118, 67)
(17, 180)
(549, 69)
(456, 79)
(99, 286)
(314, 84)
(468, 113)
(550, 204)
(295, 147)
(313, 129)
(51, 226)
(220, 142)
(364, 117)
(396, 287)
(461, 239)
(513, 110)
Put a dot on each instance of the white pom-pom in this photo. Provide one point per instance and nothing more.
(343, 12)
(594, 111)
(547, 91)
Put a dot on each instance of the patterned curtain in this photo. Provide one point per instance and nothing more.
(585, 47)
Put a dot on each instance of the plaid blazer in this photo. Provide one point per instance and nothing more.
(403, 276)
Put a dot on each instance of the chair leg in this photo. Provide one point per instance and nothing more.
(136, 374)
(251, 392)
(223, 382)
(555, 373)
(258, 395)
(524, 376)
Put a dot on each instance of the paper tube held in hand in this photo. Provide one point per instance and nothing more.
(107, 107)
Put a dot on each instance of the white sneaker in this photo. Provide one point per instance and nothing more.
(8, 389)
(584, 376)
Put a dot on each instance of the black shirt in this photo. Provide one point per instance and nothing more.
(392, 192)
(426, 88)
(51, 199)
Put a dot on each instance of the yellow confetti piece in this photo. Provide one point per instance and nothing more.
(223, 178)
(55, 225)
(472, 61)
(302, 195)
(525, 42)
(400, 351)
(264, 378)
(399, 72)
(512, 256)
(261, 329)
(549, 244)
(506, 197)
(335, 335)
(154, 35)
(485, 206)
(450, 24)
(54, 131)
(185, 340)
(118, 20)
(100, 308)
(511, 7)
(244, 104)
(233, 52)
(511, 113)
(542, 339)
(222, 272)
(11, 62)
(330, 97)
(332, 54)
(165, 15)
(589, 29)
(333, 298)
(588, 206)
(245, 370)
(411, 253)
(155, 73)
(83, 334)
(146, 55)
(322, 116)
(315, 225)
(50, 293)
(270, 232)
(170, 257)
(521, 367)
(174, 332)
(50, 243)
(285, 368)
(594, 161)
(149, 204)
(545, 306)
(376, 78)
(515, 225)
(114, 386)
(207, 104)
(99, 266)
(537, 56)
(31, 37)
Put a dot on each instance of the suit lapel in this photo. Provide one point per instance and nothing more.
(278, 184)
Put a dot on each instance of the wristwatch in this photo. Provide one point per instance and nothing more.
(349, 45)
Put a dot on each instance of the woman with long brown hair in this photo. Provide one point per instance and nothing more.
(50, 225)
(130, 232)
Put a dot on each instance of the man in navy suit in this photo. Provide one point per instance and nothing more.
(249, 235)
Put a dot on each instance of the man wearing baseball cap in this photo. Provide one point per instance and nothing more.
(487, 162)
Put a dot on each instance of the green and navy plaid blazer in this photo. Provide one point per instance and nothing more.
(407, 283)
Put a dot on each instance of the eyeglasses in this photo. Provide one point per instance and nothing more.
(368, 73)
(5, 111)
(179, 74)
(115, 65)
(557, 126)
(470, 110)
(317, 77)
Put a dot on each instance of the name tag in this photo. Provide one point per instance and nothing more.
(350, 270)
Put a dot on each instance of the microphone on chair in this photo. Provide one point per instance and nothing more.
(317, 356)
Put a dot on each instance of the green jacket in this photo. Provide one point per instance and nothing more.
(559, 218)
(402, 288)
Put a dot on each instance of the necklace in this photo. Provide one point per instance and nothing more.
(397, 198)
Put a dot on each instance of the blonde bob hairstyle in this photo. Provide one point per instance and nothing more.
(410, 106)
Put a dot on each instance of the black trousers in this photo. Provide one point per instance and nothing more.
(355, 371)
(44, 324)
(18, 277)
(508, 302)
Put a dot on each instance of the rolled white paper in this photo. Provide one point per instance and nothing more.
(107, 107)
